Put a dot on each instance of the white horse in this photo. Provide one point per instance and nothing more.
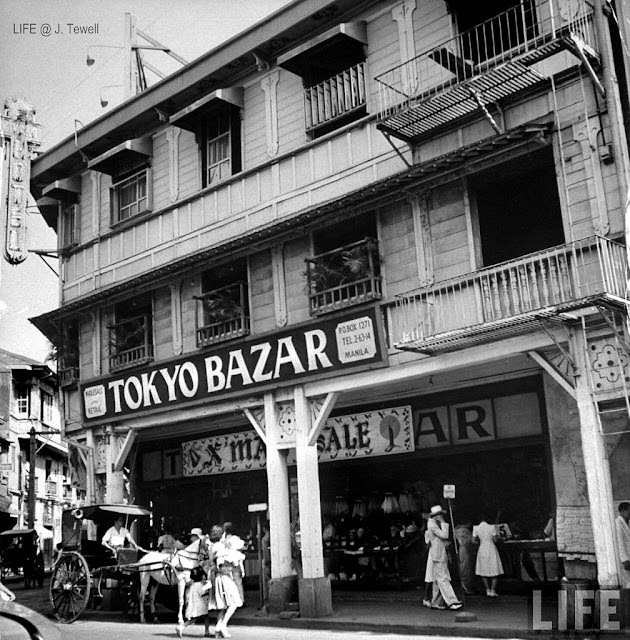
(167, 569)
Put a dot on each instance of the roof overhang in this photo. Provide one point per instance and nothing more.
(49, 208)
(129, 151)
(55, 447)
(423, 176)
(188, 117)
(298, 59)
(66, 190)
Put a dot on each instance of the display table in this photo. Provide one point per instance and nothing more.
(533, 559)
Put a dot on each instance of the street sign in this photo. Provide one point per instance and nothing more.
(259, 506)
(449, 491)
(6, 466)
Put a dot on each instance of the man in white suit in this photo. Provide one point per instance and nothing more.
(437, 535)
(622, 524)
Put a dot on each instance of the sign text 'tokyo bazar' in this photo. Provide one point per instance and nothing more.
(331, 345)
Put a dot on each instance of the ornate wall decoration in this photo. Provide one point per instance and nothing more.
(269, 85)
(17, 125)
(172, 137)
(286, 425)
(607, 364)
(279, 286)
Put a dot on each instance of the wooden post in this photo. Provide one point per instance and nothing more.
(596, 466)
(314, 588)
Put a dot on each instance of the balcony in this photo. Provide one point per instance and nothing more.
(510, 298)
(51, 490)
(344, 277)
(130, 342)
(336, 98)
(68, 376)
(222, 314)
(482, 65)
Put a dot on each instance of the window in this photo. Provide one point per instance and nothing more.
(514, 219)
(131, 333)
(23, 399)
(46, 407)
(69, 222)
(223, 306)
(346, 268)
(332, 67)
(221, 143)
(130, 195)
(68, 363)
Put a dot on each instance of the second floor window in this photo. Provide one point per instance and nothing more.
(130, 194)
(221, 146)
(23, 400)
(69, 222)
(68, 355)
(223, 307)
(131, 333)
(47, 408)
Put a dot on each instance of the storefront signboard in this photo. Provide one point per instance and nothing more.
(335, 344)
(373, 433)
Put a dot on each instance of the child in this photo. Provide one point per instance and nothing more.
(196, 602)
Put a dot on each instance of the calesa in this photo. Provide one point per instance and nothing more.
(260, 363)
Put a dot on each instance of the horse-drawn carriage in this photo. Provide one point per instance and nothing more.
(85, 570)
(20, 553)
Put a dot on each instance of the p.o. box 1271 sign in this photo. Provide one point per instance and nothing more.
(335, 344)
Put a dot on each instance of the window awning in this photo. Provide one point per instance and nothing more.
(130, 151)
(56, 447)
(344, 34)
(188, 118)
(49, 208)
(66, 190)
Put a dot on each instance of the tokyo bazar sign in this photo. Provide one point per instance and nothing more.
(333, 345)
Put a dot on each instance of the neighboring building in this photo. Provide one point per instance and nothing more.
(29, 400)
(388, 233)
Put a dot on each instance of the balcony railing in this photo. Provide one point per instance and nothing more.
(51, 489)
(506, 298)
(222, 314)
(344, 277)
(335, 97)
(130, 342)
(68, 376)
(523, 34)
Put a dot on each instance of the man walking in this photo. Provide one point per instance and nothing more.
(437, 535)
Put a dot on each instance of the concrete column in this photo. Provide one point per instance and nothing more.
(596, 466)
(314, 588)
(278, 501)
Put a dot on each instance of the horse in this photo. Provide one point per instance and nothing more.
(167, 569)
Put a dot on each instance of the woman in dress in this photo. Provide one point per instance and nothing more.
(224, 596)
(488, 565)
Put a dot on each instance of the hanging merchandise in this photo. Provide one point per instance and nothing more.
(390, 503)
(407, 502)
(341, 506)
(374, 503)
(328, 508)
(359, 510)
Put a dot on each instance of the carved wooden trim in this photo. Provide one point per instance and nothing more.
(422, 233)
(279, 285)
(176, 317)
(172, 137)
(403, 15)
(96, 201)
(96, 341)
(268, 85)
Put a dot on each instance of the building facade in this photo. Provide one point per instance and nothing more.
(358, 252)
(29, 400)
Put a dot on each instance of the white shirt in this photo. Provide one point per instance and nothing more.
(115, 538)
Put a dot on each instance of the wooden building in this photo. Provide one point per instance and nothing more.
(388, 235)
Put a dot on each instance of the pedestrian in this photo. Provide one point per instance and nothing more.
(438, 573)
(622, 525)
(234, 543)
(6, 593)
(224, 596)
(196, 602)
(488, 565)
(464, 538)
(266, 561)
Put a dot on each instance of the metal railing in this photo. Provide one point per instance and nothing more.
(344, 277)
(130, 342)
(335, 97)
(521, 30)
(560, 278)
(222, 314)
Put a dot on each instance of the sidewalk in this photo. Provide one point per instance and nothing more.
(376, 611)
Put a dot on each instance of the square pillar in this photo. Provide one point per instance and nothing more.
(282, 584)
(314, 587)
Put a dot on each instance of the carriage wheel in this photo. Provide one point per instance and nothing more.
(130, 596)
(70, 586)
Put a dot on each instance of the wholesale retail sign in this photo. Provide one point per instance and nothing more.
(372, 433)
(332, 345)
